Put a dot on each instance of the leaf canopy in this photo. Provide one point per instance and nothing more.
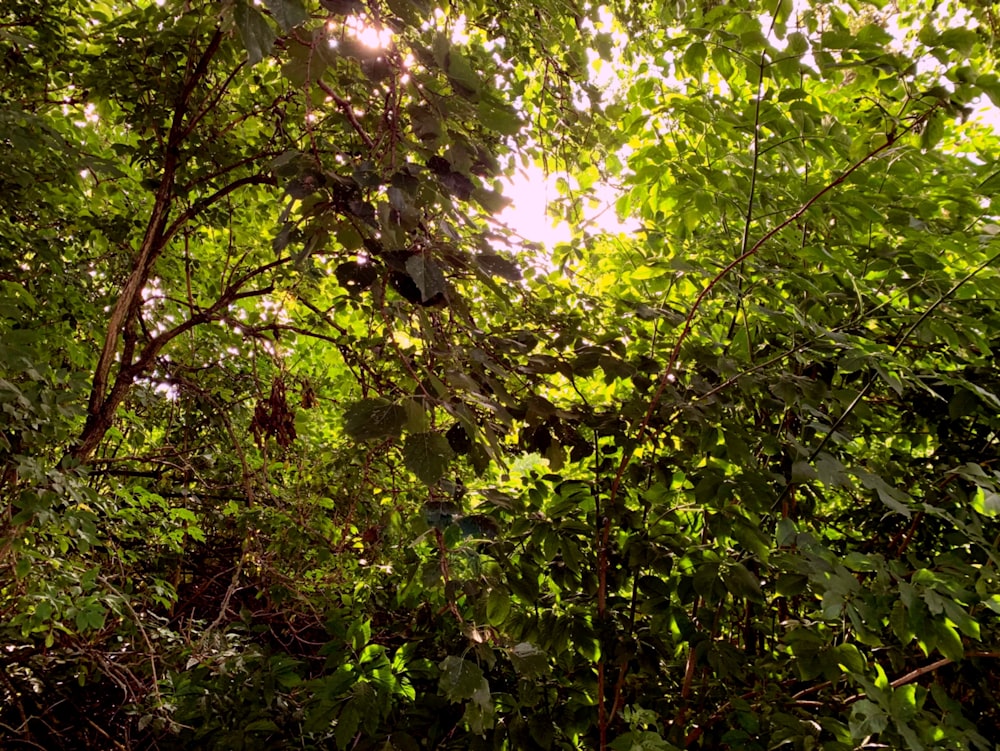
(301, 446)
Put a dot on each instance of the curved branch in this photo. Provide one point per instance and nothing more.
(130, 299)
(199, 206)
(100, 420)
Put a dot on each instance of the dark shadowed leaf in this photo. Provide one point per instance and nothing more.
(497, 265)
(374, 418)
(355, 277)
(460, 678)
(427, 455)
(257, 35)
(427, 275)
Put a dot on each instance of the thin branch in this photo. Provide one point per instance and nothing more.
(199, 206)
(345, 107)
(213, 100)
(667, 376)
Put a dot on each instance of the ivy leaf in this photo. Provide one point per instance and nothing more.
(427, 455)
(460, 679)
(257, 35)
(373, 419)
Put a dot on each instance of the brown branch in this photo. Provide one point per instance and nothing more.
(130, 299)
(199, 206)
(908, 678)
(99, 421)
(345, 107)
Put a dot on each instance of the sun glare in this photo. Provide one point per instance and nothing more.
(377, 38)
(533, 191)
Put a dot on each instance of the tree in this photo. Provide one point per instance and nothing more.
(301, 447)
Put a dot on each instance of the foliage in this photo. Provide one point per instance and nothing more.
(301, 447)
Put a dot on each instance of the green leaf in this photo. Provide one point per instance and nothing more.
(694, 59)
(257, 35)
(347, 725)
(497, 606)
(949, 643)
(374, 419)
(427, 275)
(460, 679)
(463, 77)
(529, 660)
(288, 13)
(262, 726)
(959, 39)
(499, 117)
(867, 718)
(723, 61)
(742, 583)
(891, 497)
(933, 130)
(427, 455)
(23, 567)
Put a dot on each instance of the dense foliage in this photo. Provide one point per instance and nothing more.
(301, 447)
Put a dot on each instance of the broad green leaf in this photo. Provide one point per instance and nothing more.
(694, 59)
(959, 39)
(867, 719)
(427, 455)
(949, 643)
(374, 419)
(460, 678)
(933, 131)
(257, 35)
(463, 77)
(499, 117)
(288, 13)
(497, 606)
(529, 660)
